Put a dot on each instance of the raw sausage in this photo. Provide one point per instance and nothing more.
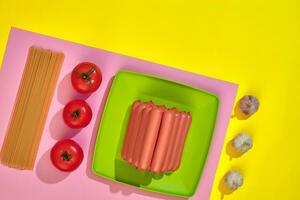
(129, 128)
(163, 140)
(171, 142)
(178, 137)
(134, 132)
(141, 133)
(187, 123)
(150, 137)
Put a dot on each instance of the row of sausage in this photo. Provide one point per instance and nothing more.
(155, 137)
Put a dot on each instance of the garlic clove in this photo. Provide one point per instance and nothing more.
(249, 104)
(242, 143)
(233, 180)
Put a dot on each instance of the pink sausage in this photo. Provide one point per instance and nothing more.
(129, 128)
(163, 140)
(132, 139)
(178, 137)
(170, 145)
(150, 137)
(141, 133)
(186, 127)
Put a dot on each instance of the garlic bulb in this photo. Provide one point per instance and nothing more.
(242, 143)
(233, 180)
(249, 104)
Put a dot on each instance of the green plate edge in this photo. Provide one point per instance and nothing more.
(100, 129)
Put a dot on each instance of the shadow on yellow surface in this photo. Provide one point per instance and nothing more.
(231, 152)
(238, 113)
(223, 190)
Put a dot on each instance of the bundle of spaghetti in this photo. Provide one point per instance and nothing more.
(31, 107)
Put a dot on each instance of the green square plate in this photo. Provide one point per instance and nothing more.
(130, 86)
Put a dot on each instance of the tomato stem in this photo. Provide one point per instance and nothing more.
(66, 156)
(84, 76)
(76, 114)
(79, 74)
(91, 71)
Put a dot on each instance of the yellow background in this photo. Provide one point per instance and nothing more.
(254, 43)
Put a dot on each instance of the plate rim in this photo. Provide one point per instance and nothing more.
(194, 189)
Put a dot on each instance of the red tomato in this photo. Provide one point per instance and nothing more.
(77, 114)
(66, 155)
(86, 77)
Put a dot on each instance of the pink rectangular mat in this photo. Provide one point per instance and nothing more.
(47, 183)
